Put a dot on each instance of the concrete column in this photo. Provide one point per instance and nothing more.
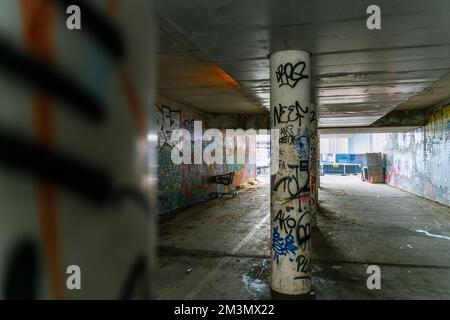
(314, 174)
(292, 115)
(78, 207)
(317, 166)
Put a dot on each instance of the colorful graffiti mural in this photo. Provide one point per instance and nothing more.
(418, 161)
(186, 184)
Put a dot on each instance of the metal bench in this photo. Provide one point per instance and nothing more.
(226, 180)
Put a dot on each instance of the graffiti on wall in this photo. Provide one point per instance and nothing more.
(185, 184)
(418, 161)
(167, 121)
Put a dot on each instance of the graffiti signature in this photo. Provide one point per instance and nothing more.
(282, 246)
(290, 75)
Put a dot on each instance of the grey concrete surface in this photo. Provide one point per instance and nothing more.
(358, 75)
(220, 249)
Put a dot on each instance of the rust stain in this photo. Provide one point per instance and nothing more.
(38, 18)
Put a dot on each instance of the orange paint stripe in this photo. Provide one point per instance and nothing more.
(49, 222)
(112, 6)
(136, 108)
(38, 18)
(38, 22)
(134, 102)
(43, 115)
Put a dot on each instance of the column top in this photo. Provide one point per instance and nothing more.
(290, 50)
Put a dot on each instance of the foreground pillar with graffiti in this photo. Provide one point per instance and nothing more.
(291, 116)
(76, 213)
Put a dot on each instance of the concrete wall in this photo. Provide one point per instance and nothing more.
(419, 161)
(228, 121)
(182, 185)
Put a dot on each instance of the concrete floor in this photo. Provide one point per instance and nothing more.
(220, 249)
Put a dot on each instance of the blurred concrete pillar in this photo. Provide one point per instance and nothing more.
(293, 116)
(75, 181)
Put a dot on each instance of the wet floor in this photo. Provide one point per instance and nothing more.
(220, 249)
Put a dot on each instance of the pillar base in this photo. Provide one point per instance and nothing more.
(282, 296)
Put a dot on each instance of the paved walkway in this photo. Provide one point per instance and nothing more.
(220, 249)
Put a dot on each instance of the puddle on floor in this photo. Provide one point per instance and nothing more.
(257, 280)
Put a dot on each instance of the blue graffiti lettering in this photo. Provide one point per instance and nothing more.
(282, 246)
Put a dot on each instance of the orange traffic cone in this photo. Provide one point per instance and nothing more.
(372, 179)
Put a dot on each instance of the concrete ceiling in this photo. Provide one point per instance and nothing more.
(188, 76)
(358, 75)
(438, 91)
(357, 130)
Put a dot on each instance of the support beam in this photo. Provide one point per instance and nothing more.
(356, 130)
(291, 116)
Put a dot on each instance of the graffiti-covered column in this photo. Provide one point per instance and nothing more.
(318, 168)
(313, 170)
(291, 118)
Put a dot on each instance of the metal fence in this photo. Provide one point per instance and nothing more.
(341, 168)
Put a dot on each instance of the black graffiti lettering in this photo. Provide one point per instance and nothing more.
(287, 135)
(304, 232)
(313, 116)
(281, 165)
(287, 114)
(286, 222)
(289, 182)
(167, 121)
(290, 75)
(291, 185)
(303, 264)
